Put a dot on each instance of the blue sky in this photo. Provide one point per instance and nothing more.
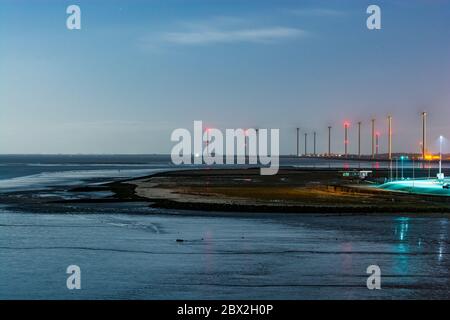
(139, 69)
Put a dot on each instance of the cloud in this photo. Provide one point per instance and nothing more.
(221, 30)
(255, 35)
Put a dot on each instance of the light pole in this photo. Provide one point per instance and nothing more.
(396, 168)
(402, 158)
(440, 175)
(390, 169)
(440, 154)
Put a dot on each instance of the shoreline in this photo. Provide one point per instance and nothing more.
(293, 190)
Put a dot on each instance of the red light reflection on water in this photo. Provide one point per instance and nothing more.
(347, 263)
(208, 238)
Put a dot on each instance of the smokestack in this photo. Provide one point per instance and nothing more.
(329, 141)
(298, 142)
(306, 144)
(314, 143)
(390, 137)
(373, 138)
(424, 134)
(359, 139)
(346, 138)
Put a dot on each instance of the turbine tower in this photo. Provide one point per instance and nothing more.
(298, 142)
(346, 124)
(373, 138)
(306, 144)
(359, 139)
(329, 141)
(390, 137)
(377, 136)
(424, 134)
(314, 143)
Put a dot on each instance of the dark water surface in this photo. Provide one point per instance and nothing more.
(131, 252)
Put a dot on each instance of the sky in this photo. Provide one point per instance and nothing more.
(137, 70)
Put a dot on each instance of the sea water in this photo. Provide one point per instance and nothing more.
(132, 251)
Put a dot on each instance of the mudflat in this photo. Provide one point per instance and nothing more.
(292, 190)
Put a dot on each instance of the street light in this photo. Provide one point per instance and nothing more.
(396, 168)
(402, 158)
(440, 175)
(390, 169)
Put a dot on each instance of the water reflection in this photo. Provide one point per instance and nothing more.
(402, 248)
(443, 234)
(415, 240)
(347, 263)
(401, 228)
(441, 250)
